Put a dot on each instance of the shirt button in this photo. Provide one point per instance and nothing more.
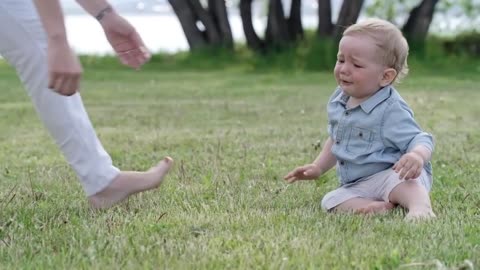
(337, 142)
(347, 113)
(342, 163)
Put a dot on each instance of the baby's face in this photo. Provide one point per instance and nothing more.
(359, 70)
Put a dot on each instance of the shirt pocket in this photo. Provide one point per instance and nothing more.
(360, 140)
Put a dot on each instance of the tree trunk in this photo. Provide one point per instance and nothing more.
(325, 26)
(277, 29)
(216, 30)
(295, 29)
(253, 41)
(207, 20)
(416, 27)
(188, 20)
(219, 13)
(348, 15)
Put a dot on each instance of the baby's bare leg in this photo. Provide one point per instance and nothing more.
(414, 197)
(364, 206)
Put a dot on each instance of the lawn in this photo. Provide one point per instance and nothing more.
(233, 136)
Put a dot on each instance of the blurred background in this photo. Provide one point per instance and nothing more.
(306, 30)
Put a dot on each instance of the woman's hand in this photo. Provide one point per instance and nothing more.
(125, 40)
(64, 68)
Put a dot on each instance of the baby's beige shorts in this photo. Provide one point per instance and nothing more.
(376, 187)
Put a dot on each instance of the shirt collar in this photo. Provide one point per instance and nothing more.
(369, 104)
(342, 97)
(372, 102)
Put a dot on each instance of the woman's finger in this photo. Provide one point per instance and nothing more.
(58, 82)
(53, 77)
(128, 59)
(70, 86)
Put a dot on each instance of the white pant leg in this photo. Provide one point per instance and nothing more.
(23, 45)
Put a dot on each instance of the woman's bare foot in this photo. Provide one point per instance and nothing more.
(129, 183)
(375, 207)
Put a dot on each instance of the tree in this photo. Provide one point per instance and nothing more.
(294, 21)
(204, 27)
(253, 41)
(416, 27)
(280, 31)
(418, 14)
(348, 15)
(277, 29)
(209, 26)
(325, 25)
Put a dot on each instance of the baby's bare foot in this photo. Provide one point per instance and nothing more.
(420, 214)
(128, 183)
(377, 207)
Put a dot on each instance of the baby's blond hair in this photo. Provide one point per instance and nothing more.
(389, 39)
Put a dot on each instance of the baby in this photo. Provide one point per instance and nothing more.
(381, 155)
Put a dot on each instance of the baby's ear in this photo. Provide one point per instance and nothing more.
(389, 75)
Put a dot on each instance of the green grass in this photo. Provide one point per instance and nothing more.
(233, 136)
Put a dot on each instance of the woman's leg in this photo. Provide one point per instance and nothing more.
(23, 44)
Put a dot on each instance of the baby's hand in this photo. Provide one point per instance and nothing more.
(409, 166)
(306, 172)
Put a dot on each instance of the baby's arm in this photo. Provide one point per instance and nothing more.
(324, 162)
(411, 164)
(402, 132)
(423, 152)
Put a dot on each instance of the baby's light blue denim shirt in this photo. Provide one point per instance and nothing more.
(374, 135)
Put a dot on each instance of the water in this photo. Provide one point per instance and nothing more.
(161, 33)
